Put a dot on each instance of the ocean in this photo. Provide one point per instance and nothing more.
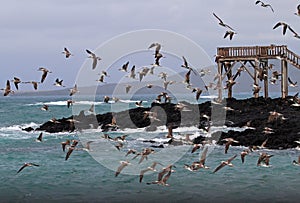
(89, 176)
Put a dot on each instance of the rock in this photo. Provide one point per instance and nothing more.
(253, 112)
(28, 129)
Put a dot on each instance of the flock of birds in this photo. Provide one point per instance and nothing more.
(230, 32)
(165, 172)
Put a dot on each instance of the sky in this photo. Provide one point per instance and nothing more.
(34, 33)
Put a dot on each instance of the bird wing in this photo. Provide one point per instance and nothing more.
(94, 63)
(44, 75)
(264, 143)
(7, 85)
(218, 18)
(291, 29)
(277, 25)
(227, 146)
(40, 137)
(229, 160)
(270, 7)
(25, 165)
(185, 63)
(243, 157)
(152, 45)
(219, 167)
(88, 51)
(32, 164)
(164, 180)
(142, 158)
(285, 26)
(257, 2)
(69, 153)
(162, 173)
(195, 148)
(120, 168)
(226, 34)
(198, 94)
(203, 156)
(142, 173)
(261, 158)
(290, 81)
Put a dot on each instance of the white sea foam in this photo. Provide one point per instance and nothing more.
(18, 127)
(82, 102)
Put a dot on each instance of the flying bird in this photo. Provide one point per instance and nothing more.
(264, 5)
(144, 154)
(187, 78)
(229, 141)
(186, 65)
(121, 167)
(198, 92)
(222, 23)
(16, 81)
(139, 104)
(132, 72)
(34, 83)
(285, 27)
(67, 53)
(225, 163)
(94, 57)
(71, 149)
(101, 79)
(25, 165)
(74, 90)
(7, 89)
(131, 151)
(64, 144)
(230, 34)
(58, 83)
(127, 88)
(243, 154)
(45, 72)
(163, 176)
(256, 89)
(198, 164)
(291, 83)
(39, 138)
(124, 67)
(265, 158)
(157, 47)
(150, 168)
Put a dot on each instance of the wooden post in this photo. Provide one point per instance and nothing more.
(229, 75)
(220, 81)
(284, 81)
(266, 84)
(256, 95)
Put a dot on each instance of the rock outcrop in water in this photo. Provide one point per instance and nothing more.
(253, 113)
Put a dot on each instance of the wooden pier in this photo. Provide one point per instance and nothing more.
(258, 57)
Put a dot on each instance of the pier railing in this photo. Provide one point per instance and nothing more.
(260, 52)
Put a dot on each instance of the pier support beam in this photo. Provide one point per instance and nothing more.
(265, 72)
(256, 95)
(229, 76)
(220, 81)
(284, 80)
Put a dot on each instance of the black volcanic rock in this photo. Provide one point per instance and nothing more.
(253, 112)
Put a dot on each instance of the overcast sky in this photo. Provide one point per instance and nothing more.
(34, 33)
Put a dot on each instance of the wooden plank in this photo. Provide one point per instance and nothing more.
(284, 81)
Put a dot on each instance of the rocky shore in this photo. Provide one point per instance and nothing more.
(253, 114)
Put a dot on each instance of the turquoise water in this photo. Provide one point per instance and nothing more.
(84, 179)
